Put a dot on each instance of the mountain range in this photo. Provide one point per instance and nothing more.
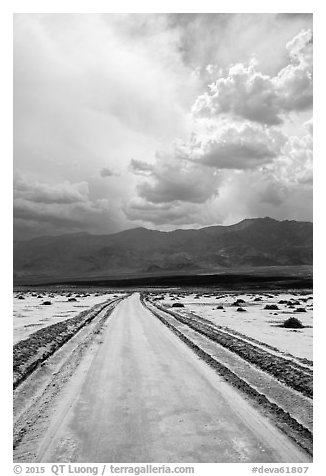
(140, 251)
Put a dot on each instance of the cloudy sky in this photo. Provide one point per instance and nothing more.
(160, 120)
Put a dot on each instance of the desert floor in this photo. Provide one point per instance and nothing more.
(127, 388)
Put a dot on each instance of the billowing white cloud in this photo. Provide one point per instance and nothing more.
(294, 82)
(235, 146)
(250, 94)
(239, 161)
(244, 92)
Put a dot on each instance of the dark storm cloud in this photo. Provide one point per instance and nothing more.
(42, 206)
(157, 214)
(172, 179)
(237, 156)
(167, 214)
(30, 211)
(84, 86)
(64, 193)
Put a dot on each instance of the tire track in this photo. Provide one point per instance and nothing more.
(300, 433)
(292, 374)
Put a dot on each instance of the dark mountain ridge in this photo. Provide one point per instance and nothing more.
(252, 242)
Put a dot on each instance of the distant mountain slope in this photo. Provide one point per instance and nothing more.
(252, 242)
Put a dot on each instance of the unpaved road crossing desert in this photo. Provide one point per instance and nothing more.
(143, 396)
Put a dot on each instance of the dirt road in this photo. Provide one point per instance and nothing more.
(144, 396)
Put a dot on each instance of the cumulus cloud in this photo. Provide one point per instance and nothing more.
(235, 146)
(176, 183)
(244, 92)
(294, 82)
(228, 39)
(184, 176)
(239, 170)
(172, 179)
(257, 168)
(250, 94)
